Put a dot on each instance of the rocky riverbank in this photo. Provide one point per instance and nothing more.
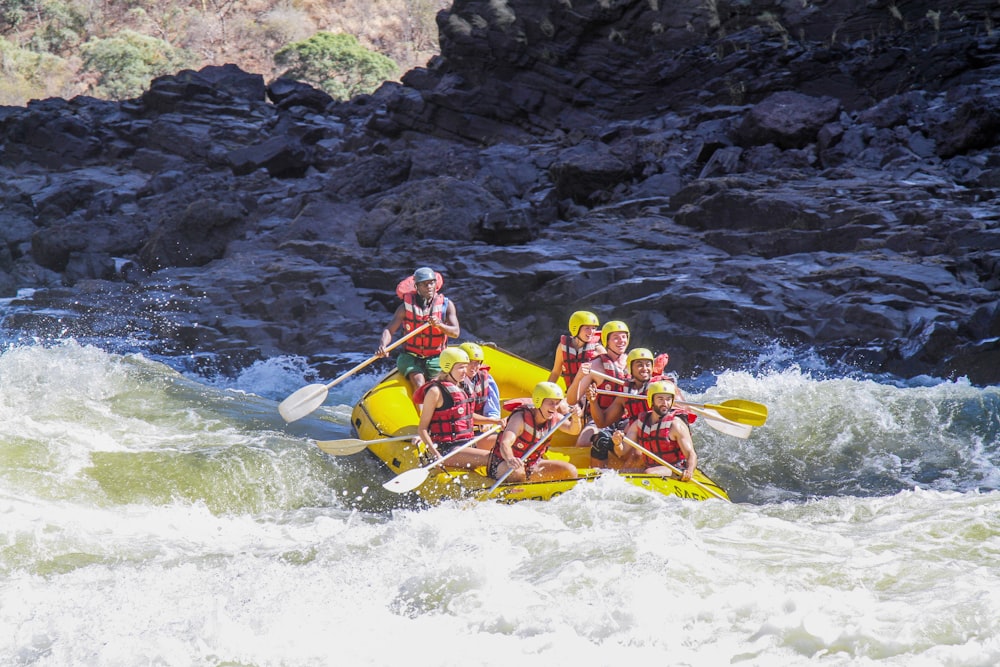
(722, 176)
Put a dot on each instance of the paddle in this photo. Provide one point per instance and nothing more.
(609, 378)
(714, 419)
(411, 479)
(349, 446)
(738, 410)
(530, 451)
(723, 425)
(310, 397)
(675, 469)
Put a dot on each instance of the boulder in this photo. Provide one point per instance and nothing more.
(787, 119)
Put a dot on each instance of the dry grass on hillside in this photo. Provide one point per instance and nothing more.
(214, 32)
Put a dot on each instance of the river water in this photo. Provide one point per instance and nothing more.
(153, 517)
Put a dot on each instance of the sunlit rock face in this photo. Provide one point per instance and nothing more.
(725, 177)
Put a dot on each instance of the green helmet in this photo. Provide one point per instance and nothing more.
(545, 390)
(582, 318)
(612, 327)
(451, 356)
(474, 351)
(637, 354)
(659, 387)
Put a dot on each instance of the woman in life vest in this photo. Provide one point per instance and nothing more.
(663, 430)
(419, 358)
(581, 346)
(526, 425)
(482, 388)
(615, 338)
(447, 414)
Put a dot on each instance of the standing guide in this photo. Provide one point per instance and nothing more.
(419, 359)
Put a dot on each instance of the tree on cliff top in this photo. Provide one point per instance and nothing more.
(124, 64)
(336, 63)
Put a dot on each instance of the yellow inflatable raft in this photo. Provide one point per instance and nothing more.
(387, 410)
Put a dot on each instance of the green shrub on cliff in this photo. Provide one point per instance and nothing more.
(13, 12)
(336, 63)
(28, 75)
(61, 27)
(126, 63)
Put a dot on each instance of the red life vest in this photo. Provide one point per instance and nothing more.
(635, 407)
(430, 342)
(528, 436)
(654, 435)
(452, 422)
(610, 368)
(478, 388)
(573, 357)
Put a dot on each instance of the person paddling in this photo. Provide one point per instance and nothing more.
(662, 430)
(582, 345)
(615, 338)
(424, 303)
(622, 410)
(525, 426)
(613, 363)
(447, 414)
(482, 388)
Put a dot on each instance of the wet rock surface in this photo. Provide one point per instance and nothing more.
(726, 178)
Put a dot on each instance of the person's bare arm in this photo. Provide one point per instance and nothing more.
(450, 324)
(682, 434)
(390, 329)
(557, 365)
(607, 417)
(575, 391)
(574, 424)
(432, 401)
(515, 425)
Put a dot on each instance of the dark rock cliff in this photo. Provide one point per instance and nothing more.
(726, 177)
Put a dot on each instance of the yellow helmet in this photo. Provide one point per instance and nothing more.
(635, 355)
(545, 390)
(582, 318)
(451, 356)
(474, 351)
(660, 387)
(612, 327)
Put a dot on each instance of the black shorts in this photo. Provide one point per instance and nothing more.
(446, 447)
(494, 463)
(601, 444)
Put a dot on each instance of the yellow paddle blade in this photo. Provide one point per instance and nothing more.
(744, 412)
(721, 424)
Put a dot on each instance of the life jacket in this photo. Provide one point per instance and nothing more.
(478, 388)
(452, 422)
(635, 407)
(528, 436)
(610, 368)
(573, 357)
(654, 435)
(430, 342)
